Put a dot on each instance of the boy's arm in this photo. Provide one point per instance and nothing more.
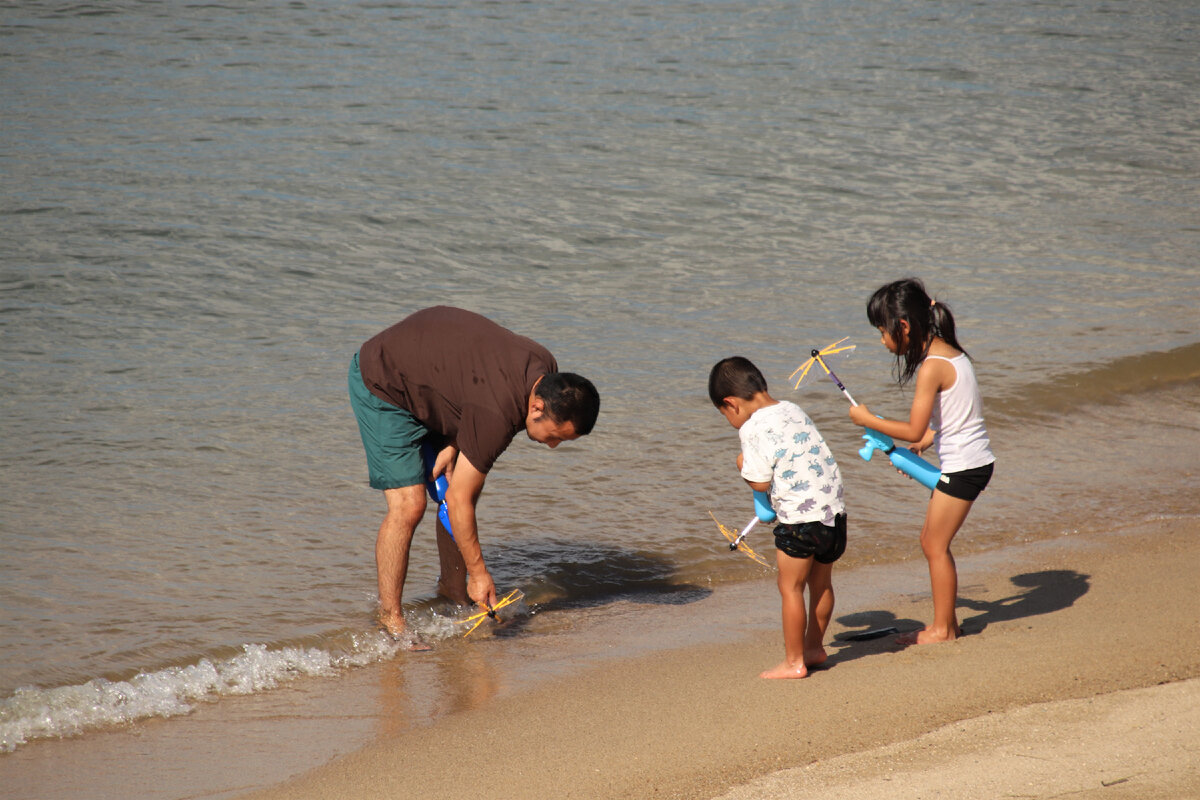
(758, 486)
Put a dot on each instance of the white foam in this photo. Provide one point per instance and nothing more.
(32, 713)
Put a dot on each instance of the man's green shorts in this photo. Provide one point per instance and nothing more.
(390, 435)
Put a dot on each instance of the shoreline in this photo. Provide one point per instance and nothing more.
(1083, 620)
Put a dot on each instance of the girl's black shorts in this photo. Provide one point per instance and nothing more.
(816, 540)
(966, 485)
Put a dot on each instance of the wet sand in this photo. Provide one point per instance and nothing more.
(1080, 675)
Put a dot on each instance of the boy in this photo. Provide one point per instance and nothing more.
(782, 452)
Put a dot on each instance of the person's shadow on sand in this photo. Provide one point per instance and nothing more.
(870, 632)
(567, 575)
(1045, 592)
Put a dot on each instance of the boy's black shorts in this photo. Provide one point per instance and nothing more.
(816, 540)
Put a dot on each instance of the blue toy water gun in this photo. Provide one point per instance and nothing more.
(762, 513)
(902, 459)
(436, 487)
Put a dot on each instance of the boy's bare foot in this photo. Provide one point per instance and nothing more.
(785, 670)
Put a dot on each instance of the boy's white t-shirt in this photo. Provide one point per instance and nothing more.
(780, 444)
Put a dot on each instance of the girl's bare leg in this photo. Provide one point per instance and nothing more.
(943, 518)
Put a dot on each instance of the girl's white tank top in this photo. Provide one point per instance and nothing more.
(962, 440)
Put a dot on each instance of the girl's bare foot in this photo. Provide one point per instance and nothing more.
(928, 636)
(786, 670)
(815, 658)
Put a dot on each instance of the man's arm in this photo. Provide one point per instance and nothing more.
(466, 484)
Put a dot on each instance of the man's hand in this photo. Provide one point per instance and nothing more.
(482, 590)
(444, 462)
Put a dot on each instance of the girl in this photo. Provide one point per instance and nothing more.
(946, 412)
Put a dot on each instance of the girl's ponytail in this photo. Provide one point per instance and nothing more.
(906, 300)
(943, 325)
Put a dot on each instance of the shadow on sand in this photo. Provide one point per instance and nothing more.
(1044, 592)
(557, 575)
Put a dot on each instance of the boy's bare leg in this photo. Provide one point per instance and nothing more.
(452, 581)
(820, 611)
(943, 518)
(793, 573)
(405, 507)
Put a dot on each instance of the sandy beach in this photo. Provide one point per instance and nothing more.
(1079, 676)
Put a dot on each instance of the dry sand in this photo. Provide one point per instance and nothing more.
(1080, 678)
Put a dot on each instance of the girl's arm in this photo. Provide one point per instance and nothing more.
(924, 444)
(932, 376)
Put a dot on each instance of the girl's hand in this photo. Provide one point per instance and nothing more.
(925, 443)
(861, 415)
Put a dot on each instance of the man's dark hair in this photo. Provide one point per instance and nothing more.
(734, 377)
(570, 398)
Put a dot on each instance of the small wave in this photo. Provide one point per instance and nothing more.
(1105, 383)
(33, 713)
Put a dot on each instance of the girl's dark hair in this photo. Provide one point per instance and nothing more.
(734, 377)
(927, 318)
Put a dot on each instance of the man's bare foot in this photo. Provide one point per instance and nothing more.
(785, 670)
(398, 631)
(927, 636)
(411, 641)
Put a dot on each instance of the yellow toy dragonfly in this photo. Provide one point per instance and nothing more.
(904, 460)
(508, 599)
(838, 348)
(738, 541)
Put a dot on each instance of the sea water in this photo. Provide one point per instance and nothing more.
(207, 208)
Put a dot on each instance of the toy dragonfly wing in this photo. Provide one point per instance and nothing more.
(478, 618)
(732, 537)
(805, 374)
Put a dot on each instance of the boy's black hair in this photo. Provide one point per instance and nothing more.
(735, 376)
(570, 398)
(907, 300)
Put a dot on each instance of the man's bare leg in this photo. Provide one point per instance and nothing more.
(452, 583)
(405, 507)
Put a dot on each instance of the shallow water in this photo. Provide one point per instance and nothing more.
(207, 209)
